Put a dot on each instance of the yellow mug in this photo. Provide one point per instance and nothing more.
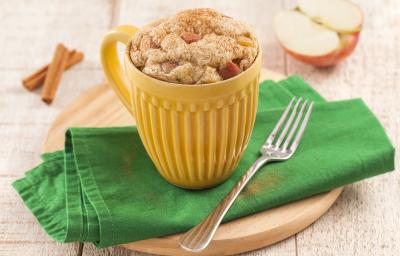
(194, 134)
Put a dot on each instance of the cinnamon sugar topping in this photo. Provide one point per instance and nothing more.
(193, 46)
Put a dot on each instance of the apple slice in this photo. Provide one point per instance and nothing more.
(319, 32)
(299, 34)
(340, 15)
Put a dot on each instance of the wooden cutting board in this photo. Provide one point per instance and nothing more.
(99, 107)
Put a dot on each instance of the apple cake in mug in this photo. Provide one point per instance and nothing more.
(195, 46)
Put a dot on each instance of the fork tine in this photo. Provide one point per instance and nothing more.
(303, 125)
(288, 124)
(272, 136)
(294, 127)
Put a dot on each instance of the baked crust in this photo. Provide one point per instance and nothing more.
(212, 40)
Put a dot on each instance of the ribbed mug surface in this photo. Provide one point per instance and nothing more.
(194, 134)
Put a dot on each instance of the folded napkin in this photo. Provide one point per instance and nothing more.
(103, 188)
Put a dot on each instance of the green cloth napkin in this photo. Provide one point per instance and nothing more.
(103, 188)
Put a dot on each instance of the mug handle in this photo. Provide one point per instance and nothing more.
(112, 68)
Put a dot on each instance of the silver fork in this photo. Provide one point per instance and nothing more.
(275, 148)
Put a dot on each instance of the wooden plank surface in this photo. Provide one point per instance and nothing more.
(365, 217)
(362, 222)
(29, 32)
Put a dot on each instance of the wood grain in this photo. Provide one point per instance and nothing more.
(251, 232)
(30, 31)
(362, 222)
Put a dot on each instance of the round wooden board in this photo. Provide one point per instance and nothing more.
(99, 107)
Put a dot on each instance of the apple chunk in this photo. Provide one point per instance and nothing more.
(319, 32)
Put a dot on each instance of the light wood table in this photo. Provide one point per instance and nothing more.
(365, 219)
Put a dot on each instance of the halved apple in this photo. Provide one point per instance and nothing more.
(319, 32)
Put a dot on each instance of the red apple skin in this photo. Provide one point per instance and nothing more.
(348, 44)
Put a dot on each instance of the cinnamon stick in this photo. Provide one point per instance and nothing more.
(36, 79)
(54, 73)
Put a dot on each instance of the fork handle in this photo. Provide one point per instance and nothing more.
(198, 238)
